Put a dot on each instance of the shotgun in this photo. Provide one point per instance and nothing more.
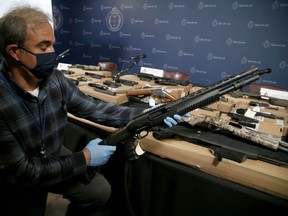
(139, 126)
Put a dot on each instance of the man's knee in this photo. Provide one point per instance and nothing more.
(100, 196)
(91, 205)
(95, 194)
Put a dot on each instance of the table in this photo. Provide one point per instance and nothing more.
(179, 178)
(159, 186)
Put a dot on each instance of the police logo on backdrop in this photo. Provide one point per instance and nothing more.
(57, 18)
(114, 20)
(240, 28)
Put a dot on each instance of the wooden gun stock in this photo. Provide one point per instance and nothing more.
(156, 92)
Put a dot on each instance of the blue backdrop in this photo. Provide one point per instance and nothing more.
(207, 39)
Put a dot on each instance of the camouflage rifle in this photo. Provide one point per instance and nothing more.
(219, 123)
(227, 139)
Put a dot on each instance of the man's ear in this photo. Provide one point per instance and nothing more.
(13, 51)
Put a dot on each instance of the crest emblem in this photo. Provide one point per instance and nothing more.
(57, 18)
(114, 20)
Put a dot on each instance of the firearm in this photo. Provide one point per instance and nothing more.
(169, 81)
(162, 80)
(271, 100)
(241, 118)
(219, 123)
(126, 82)
(222, 138)
(145, 76)
(144, 122)
(112, 84)
(238, 94)
(91, 68)
(265, 105)
(94, 75)
(263, 114)
(102, 88)
(157, 92)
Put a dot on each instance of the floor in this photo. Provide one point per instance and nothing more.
(56, 205)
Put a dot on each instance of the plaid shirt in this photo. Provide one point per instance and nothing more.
(28, 123)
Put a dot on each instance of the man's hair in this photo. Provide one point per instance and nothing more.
(14, 25)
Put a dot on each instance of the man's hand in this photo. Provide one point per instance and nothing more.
(99, 154)
(170, 122)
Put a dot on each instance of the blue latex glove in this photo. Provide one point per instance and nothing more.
(170, 122)
(100, 154)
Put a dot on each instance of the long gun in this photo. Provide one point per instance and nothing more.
(144, 122)
(160, 93)
(162, 80)
(271, 100)
(219, 123)
(227, 139)
(263, 114)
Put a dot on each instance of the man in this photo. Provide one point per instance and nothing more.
(34, 101)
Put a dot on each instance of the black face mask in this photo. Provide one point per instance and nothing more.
(45, 64)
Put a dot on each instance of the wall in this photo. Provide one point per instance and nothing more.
(208, 39)
(45, 5)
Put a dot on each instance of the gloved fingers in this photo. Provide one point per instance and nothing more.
(99, 154)
(96, 141)
(187, 115)
(105, 149)
(177, 117)
(167, 123)
(110, 149)
(170, 121)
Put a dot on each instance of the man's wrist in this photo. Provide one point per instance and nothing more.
(87, 155)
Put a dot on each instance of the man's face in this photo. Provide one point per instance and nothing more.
(38, 40)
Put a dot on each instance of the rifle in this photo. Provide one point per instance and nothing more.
(160, 93)
(263, 114)
(241, 119)
(227, 140)
(271, 100)
(94, 75)
(267, 106)
(237, 129)
(162, 80)
(126, 82)
(140, 125)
